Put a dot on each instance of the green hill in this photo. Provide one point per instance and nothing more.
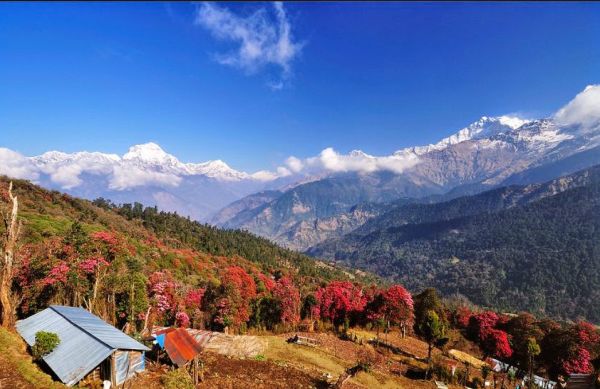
(65, 242)
(534, 248)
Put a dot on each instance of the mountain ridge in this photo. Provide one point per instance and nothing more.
(489, 155)
(533, 247)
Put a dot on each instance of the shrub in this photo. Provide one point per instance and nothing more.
(177, 379)
(477, 382)
(45, 343)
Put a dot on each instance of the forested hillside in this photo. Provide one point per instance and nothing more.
(132, 265)
(534, 248)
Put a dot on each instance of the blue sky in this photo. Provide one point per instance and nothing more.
(370, 76)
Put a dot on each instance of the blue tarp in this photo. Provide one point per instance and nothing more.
(160, 340)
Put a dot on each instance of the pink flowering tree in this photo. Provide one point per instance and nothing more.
(182, 319)
(95, 269)
(162, 291)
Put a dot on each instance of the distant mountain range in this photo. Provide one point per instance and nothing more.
(308, 201)
(490, 153)
(146, 174)
(534, 247)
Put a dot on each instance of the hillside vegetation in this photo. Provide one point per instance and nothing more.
(125, 262)
(138, 267)
(534, 248)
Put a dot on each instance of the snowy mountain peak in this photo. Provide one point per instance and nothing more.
(512, 121)
(150, 153)
(485, 127)
(216, 169)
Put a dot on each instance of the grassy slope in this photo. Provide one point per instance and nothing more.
(17, 364)
(199, 252)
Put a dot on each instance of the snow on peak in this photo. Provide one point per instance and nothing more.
(150, 153)
(485, 127)
(216, 169)
(512, 121)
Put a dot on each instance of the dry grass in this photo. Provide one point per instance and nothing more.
(323, 360)
(17, 368)
(464, 357)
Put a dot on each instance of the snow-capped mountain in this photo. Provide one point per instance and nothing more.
(483, 128)
(146, 173)
(489, 152)
(151, 155)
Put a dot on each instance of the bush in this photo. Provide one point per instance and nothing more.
(177, 379)
(477, 382)
(45, 343)
(441, 371)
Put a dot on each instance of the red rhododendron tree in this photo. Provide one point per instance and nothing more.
(193, 298)
(289, 298)
(267, 282)
(481, 324)
(583, 347)
(587, 336)
(496, 344)
(58, 274)
(461, 316)
(162, 291)
(237, 290)
(95, 269)
(393, 306)
(569, 349)
(338, 300)
(398, 307)
(577, 362)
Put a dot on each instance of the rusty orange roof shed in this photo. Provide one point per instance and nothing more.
(181, 346)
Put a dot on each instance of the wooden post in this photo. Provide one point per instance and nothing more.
(196, 370)
(113, 370)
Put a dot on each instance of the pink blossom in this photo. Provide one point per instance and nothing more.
(90, 265)
(57, 274)
(182, 319)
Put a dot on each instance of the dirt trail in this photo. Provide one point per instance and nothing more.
(10, 378)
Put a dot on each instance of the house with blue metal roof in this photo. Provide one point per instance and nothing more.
(88, 346)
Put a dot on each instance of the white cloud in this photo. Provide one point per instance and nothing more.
(294, 164)
(129, 176)
(584, 109)
(330, 160)
(358, 161)
(261, 38)
(66, 169)
(15, 165)
(264, 175)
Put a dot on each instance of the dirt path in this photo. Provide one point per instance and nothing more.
(223, 372)
(10, 378)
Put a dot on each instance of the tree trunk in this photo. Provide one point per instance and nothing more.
(429, 349)
(7, 252)
(131, 300)
(146, 320)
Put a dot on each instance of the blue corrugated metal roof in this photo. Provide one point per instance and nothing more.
(77, 354)
(98, 328)
(85, 340)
